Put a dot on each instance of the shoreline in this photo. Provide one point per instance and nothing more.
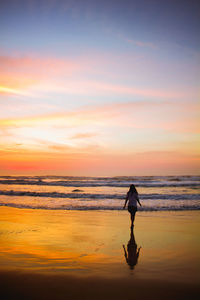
(94, 209)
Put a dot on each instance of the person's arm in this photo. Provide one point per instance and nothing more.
(125, 201)
(138, 200)
(138, 253)
(125, 254)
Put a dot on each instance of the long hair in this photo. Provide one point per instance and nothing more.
(132, 189)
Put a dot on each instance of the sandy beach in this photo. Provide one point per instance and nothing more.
(54, 254)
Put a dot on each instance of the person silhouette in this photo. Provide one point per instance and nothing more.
(132, 253)
(132, 199)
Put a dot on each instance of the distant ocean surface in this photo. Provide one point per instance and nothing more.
(157, 193)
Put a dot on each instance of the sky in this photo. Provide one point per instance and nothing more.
(99, 88)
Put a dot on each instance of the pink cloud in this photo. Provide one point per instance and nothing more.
(130, 90)
(90, 87)
(26, 71)
(138, 43)
(51, 74)
(37, 64)
(167, 115)
(141, 43)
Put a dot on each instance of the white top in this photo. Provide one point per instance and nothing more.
(132, 199)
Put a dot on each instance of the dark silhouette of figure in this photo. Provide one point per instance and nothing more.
(132, 199)
(132, 253)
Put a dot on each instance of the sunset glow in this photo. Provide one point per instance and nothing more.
(99, 88)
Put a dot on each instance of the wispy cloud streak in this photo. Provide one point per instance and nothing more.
(39, 77)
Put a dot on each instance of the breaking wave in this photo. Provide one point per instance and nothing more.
(77, 195)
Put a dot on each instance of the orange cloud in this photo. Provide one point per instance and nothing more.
(121, 132)
(83, 135)
(12, 91)
(63, 143)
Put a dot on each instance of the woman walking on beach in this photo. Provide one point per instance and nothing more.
(132, 199)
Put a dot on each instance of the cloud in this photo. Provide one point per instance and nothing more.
(138, 43)
(166, 115)
(141, 43)
(101, 88)
(34, 64)
(19, 73)
(85, 135)
(12, 91)
(41, 76)
(104, 138)
(96, 163)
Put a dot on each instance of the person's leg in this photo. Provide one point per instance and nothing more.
(132, 218)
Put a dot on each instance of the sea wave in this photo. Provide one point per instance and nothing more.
(157, 193)
(94, 207)
(78, 195)
(95, 183)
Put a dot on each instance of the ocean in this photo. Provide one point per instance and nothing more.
(156, 193)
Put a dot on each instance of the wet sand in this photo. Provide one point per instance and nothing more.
(93, 254)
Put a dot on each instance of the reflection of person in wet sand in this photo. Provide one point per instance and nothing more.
(132, 252)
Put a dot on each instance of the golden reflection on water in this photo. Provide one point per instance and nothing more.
(87, 243)
(46, 240)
